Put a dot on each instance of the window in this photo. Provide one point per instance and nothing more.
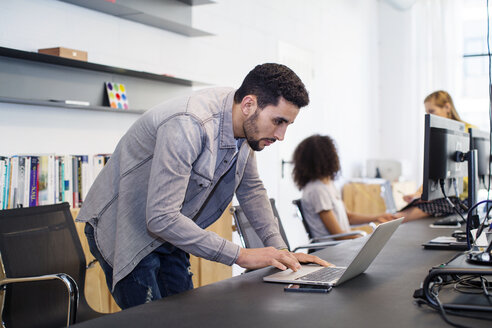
(473, 105)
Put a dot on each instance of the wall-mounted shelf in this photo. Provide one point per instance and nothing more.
(42, 58)
(197, 2)
(31, 78)
(170, 15)
(32, 102)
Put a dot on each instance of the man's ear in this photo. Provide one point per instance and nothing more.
(249, 105)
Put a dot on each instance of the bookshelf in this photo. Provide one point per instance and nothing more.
(34, 79)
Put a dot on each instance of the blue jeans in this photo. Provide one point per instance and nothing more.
(164, 272)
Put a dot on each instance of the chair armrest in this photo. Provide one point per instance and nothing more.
(318, 245)
(339, 235)
(70, 284)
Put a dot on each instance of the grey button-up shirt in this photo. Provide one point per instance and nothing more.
(169, 177)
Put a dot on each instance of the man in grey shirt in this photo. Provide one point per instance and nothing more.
(174, 173)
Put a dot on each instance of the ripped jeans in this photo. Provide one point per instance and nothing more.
(162, 273)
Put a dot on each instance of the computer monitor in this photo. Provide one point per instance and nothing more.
(480, 140)
(445, 145)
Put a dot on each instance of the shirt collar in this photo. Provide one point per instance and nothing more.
(226, 133)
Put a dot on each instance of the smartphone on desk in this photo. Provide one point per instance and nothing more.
(307, 288)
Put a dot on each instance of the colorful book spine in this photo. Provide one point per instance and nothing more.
(3, 171)
(43, 196)
(51, 179)
(34, 182)
(6, 188)
(21, 176)
(14, 182)
(27, 181)
(68, 179)
(86, 175)
(75, 180)
(59, 179)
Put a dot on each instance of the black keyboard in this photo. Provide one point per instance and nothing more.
(448, 221)
(324, 275)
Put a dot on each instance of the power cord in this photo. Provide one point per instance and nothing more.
(482, 287)
(475, 222)
(441, 183)
(435, 294)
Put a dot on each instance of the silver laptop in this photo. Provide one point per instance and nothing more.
(334, 276)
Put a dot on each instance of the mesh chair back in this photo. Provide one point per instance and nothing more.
(247, 233)
(37, 241)
(280, 226)
(300, 209)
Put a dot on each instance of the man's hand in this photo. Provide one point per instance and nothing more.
(308, 258)
(255, 258)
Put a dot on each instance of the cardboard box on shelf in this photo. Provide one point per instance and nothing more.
(65, 52)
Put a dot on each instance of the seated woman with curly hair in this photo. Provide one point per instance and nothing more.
(316, 165)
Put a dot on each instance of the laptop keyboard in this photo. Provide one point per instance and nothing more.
(324, 275)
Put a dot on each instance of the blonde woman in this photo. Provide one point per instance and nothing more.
(441, 104)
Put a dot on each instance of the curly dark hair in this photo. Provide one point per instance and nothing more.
(315, 158)
(268, 82)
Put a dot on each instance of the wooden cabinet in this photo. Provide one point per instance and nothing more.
(204, 272)
(371, 198)
(363, 198)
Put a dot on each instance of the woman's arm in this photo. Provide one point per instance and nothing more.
(331, 223)
(355, 218)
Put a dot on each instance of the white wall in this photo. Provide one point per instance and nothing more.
(339, 39)
(401, 111)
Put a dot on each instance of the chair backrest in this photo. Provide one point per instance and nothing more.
(38, 241)
(302, 215)
(248, 235)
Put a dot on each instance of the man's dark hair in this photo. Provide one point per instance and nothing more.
(315, 158)
(268, 82)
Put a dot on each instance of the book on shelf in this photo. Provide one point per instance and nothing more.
(14, 182)
(99, 160)
(27, 179)
(75, 180)
(68, 179)
(34, 182)
(21, 178)
(41, 179)
(3, 180)
(46, 179)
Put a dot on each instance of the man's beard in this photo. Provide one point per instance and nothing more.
(250, 129)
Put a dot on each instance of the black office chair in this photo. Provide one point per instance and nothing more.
(42, 264)
(250, 239)
(301, 214)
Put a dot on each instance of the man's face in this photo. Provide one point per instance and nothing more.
(264, 126)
